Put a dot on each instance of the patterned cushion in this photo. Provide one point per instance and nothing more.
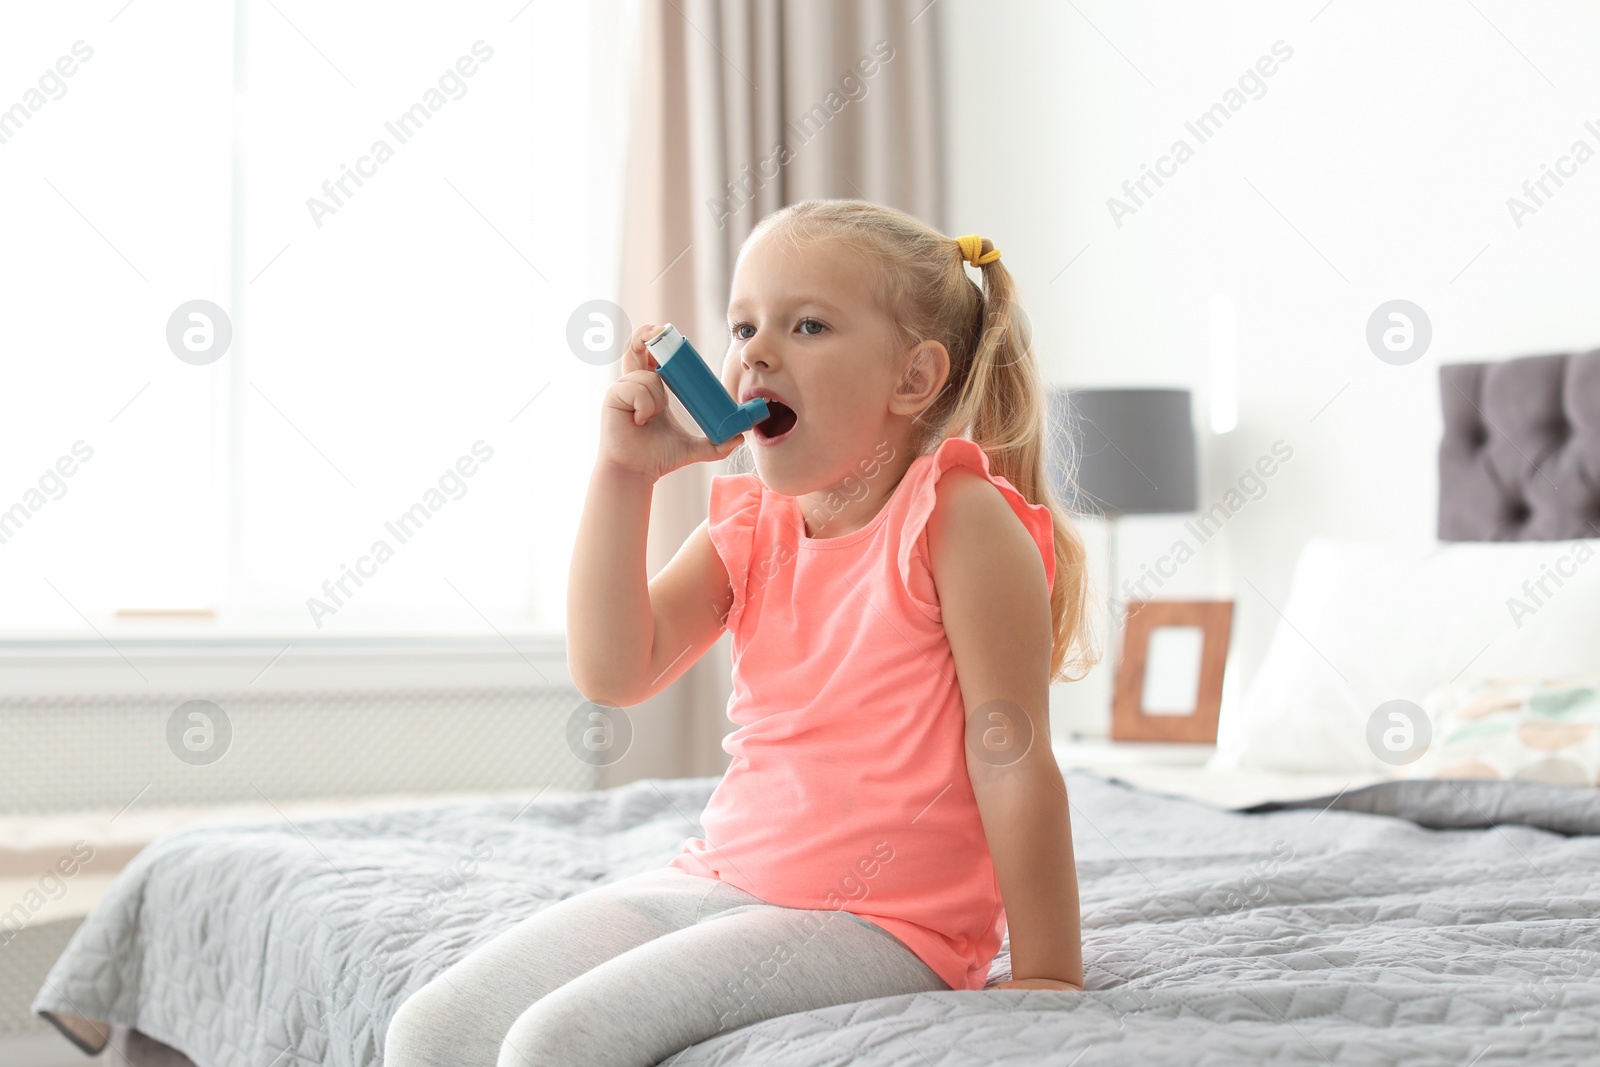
(1538, 730)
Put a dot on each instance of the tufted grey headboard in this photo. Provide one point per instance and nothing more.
(1520, 458)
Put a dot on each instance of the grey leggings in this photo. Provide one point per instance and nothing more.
(632, 972)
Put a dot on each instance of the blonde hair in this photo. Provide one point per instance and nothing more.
(995, 395)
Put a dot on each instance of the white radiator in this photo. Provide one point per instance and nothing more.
(86, 726)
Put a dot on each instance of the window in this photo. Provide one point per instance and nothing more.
(397, 208)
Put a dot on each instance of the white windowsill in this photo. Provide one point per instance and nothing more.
(279, 628)
(261, 653)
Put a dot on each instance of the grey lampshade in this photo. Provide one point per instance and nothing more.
(1134, 448)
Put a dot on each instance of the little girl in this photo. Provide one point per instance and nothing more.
(901, 588)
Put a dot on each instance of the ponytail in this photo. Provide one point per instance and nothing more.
(1002, 404)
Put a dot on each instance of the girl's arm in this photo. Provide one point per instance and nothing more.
(612, 614)
(996, 608)
(609, 624)
(629, 638)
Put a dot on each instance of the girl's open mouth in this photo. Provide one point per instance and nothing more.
(779, 423)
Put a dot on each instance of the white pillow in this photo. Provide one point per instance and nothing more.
(1377, 621)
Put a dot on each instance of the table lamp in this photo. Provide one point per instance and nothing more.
(1118, 452)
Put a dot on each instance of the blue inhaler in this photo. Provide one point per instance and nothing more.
(687, 375)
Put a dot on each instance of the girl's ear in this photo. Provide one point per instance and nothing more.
(927, 367)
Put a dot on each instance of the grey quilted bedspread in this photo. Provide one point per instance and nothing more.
(1428, 923)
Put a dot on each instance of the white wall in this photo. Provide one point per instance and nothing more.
(1376, 165)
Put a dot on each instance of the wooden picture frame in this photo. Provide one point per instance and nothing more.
(1191, 664)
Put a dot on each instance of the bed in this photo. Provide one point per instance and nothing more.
(1425, 918)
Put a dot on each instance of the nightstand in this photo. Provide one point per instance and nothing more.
(1103, 754)
(1160, 766)
(1180, 769)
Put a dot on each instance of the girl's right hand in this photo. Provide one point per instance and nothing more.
(638, 434)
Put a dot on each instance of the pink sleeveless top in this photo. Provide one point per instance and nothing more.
(848, 785)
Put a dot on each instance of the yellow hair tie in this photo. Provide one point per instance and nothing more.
(972, 250)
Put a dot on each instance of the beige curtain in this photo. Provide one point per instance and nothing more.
(741, 107)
